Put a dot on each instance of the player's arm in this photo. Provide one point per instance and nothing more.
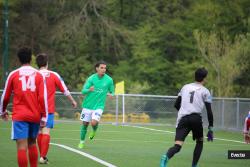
(209, 114)
(43, 99)
(60, 84)
(177, 103)
(210, 134)
(72, 100)
(111, 90)
(6, 97)
(208, 101)
(87, 87)
(63, 88)
(246, 131)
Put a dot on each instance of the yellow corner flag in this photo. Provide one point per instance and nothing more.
(119, 88)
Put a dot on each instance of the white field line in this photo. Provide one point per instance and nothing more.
(84, 154)
(145, 141)
(141, 127)
(103, 131)
(156, 130)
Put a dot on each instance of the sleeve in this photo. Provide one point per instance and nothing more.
(112, 88)
(177, 104)
(6, 94)
(61, 85)
(180, 93)
(42, 97)
(182, 90)
(210, 116)
(207, 96)
(86, 86)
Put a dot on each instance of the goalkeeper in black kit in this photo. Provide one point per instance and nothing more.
(190, 103)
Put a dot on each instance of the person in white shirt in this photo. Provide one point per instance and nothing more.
(190, 103)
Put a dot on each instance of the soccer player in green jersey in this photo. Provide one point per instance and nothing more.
(96, 89)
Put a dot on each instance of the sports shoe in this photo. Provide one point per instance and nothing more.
(164, 161)
(92, 135)
(80, 145)
(43, 160)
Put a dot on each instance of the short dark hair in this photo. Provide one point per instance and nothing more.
(41, 60)
(24, 54)
(99, 63)
(200, 74)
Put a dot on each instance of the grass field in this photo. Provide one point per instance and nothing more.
(125, 146)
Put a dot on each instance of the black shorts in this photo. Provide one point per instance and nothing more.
(192, 122)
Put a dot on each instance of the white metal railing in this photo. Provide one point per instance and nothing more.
(229, 113)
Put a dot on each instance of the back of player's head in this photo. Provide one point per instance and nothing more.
(99, 63)
(200, 74)
(24, 54)
(42, 60)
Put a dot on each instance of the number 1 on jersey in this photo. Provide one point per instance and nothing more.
(30, 84)
(191, 96)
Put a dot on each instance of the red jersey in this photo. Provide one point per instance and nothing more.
(29, 95)
(247, 124)
(53, 81)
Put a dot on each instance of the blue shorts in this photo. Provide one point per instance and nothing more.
(24, 130)
(50, 121)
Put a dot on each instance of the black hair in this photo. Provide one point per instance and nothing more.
(99, 63)
(24, 54)
(41, 60)
(200, 74)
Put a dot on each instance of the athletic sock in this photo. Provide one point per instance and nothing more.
(39, 140)
(197, 152)
(95, 128)
(33, 155)
(173, 150)
(45, 145)
(94, 131)
(84, 129)
(22, 158)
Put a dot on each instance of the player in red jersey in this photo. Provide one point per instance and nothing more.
(246, 130)
(29, 98)
(53, 81)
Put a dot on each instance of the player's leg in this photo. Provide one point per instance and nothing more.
(197, 130)
(33, 152)
(39, 139)
(247, 133)
(45, 139)
(182, 131)
(247, 138)
(96, 117)
(85, 118)
(22, 158)
(20, 135)
(94, 125)
(197, 152)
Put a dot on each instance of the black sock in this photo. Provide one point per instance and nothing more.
(173, 150)
(197, 152)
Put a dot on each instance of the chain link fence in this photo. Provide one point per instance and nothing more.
(229, 113)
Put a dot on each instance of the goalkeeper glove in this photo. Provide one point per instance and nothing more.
(210, 134)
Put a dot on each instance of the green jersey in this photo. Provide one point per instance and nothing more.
(97, 98)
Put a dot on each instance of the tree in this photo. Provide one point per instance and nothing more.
(224, 56)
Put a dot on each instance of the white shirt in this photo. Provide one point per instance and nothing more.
(193, 98)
